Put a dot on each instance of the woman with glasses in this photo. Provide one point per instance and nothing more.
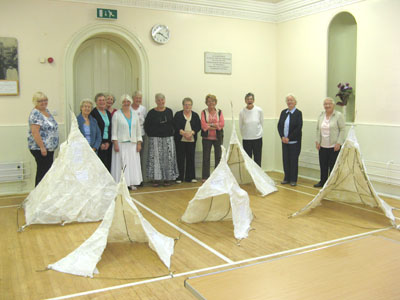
(103, 118)
(161, 161)
(187, 125)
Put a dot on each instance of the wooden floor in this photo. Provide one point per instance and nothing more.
(133, 271)
(339, 271)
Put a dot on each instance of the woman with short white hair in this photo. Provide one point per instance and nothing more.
(127, 140)
(43, 136)
(290, 125)
(329, 138)
(161, 160)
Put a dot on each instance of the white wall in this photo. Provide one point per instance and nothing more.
(46, 28)
(302, 69)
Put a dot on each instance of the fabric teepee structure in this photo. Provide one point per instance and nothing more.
(221, 198)
(245, 169)
(349, 182)
(122, 222)
(77, 188)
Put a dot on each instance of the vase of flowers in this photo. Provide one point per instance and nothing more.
(344, 93)
(345, 90)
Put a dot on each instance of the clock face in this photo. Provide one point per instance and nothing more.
(160, 34)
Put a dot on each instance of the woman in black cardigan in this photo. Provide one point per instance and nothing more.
(187, 125)
(289, 128)
(103, 118)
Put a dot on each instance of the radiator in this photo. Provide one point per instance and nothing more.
(11, 172)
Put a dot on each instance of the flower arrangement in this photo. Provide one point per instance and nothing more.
(345, 90)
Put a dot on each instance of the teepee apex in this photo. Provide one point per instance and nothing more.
(245, 169)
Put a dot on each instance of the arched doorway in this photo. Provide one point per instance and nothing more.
(120, 45)
(104, 64)
(342, 56)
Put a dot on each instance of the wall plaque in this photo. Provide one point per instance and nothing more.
(217, 63)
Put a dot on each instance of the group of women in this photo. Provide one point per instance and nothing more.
(117, 136)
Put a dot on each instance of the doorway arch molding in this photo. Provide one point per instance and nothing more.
(88, 32)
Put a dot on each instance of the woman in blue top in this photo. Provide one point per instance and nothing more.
(42, 136)
(88, 125)
(103, 118)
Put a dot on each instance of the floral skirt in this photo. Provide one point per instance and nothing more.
(161, 161)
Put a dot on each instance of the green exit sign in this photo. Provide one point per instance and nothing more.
(105, 13)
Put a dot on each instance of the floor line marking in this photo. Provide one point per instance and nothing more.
(8, 206)
(221, 266)
(164, 191)
(215, 252)
(342, 203)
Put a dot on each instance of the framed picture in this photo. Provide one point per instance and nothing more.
(9, 75)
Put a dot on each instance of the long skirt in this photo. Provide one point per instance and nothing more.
(161, 161)
(129, 159)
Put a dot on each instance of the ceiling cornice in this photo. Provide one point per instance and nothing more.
(240, 9)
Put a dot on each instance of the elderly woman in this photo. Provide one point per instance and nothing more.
(161, 161)
(289, 127)
(330, 136)
(212, 124)
(187, 125)
(110, 100)
(127, 140)
(42, 136)
(251, 119)
(88, 125)
(142, 113)
(103, 118)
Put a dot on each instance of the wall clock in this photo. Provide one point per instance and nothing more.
(160, 34)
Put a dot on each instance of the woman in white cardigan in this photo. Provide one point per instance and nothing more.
(127, 140)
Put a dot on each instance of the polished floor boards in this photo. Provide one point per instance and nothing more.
(133, 271)
(364, 268)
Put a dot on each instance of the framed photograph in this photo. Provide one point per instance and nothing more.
(9, 75)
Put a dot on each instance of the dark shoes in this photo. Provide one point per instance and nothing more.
(293, 183)
(284, 182)
(319, 184)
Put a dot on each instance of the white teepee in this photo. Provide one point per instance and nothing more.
(122, 222)
(221, 198)
(245, 169)
(77, 188)
(349, 182)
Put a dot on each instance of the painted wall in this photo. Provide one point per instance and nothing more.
(302, 69)
(44, 28)
(47, 28)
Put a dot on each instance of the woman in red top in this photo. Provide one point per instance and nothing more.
(212, 124)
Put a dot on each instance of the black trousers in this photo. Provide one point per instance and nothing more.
(327, 159)
(207, 144)
(43, 164)
(105, 156)
(290, 157)
(253, 147)
(185, 159)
